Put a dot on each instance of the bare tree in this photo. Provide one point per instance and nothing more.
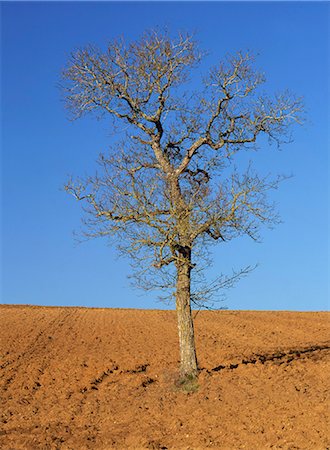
(166, 191)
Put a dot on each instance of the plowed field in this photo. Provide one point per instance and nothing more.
(78, 378)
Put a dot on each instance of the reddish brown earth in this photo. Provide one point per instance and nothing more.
(78, 378)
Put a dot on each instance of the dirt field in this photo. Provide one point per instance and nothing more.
(78, 378)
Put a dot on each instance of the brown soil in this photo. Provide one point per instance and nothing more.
(78, 378)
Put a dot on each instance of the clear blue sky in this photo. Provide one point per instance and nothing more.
(41, 263)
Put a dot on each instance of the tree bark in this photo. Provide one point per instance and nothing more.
(188, 359)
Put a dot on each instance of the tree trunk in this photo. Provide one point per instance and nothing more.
(188, 360)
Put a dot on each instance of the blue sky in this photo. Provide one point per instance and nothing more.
(41, 264)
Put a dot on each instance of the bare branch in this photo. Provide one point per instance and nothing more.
(163, 193)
